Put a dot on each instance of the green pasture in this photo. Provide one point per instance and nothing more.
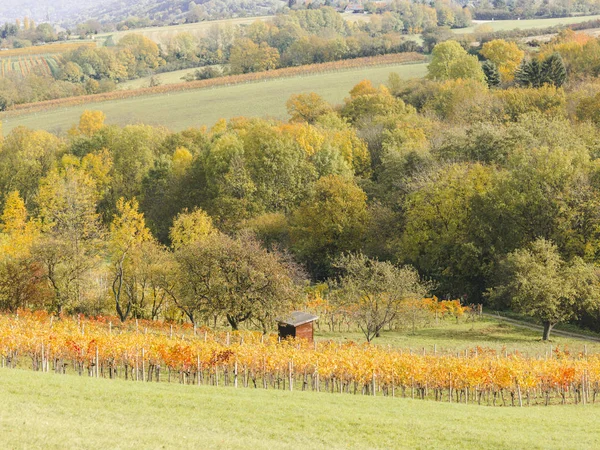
(449, 336)
(173, 77)
(180, 110)
(44, 410)
(500, 25)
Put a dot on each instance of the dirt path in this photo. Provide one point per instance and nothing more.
(519, 323)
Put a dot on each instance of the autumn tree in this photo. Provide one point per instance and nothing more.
(20, 277)
(246, 56)
(307, 107)
(537, 282)
(127, 234)
(332, 221)
(71, 244)
(374, 290)
(507, 56)
(232, 278)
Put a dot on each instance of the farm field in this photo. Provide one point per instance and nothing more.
(52, 411)
(23, 65)
(173, 77)
(499, 25)
(180, 110)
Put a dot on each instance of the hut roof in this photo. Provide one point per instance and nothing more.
(297, 318)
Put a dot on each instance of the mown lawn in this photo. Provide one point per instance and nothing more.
(180, 110)
(41, 410)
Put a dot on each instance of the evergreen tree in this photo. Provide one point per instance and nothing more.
(554, 70)
(530, 74)
(492, 74)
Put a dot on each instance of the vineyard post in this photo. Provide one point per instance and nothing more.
(519, 393)
(97, 361)
(143, 363)
(235, 374)
(373, 383)
(198, 371)
(291, 376)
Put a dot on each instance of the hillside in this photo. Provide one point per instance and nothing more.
(206, 106)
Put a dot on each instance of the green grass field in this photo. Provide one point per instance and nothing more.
(43, 410)
(181, 110)
(499, 25)
(452, 337)
(173, 77)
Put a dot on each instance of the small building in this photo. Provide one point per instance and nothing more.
(297, 324)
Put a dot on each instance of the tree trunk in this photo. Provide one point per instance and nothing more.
(547, 329)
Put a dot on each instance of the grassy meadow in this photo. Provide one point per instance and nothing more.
(180, 110)
(451, 337)
(500, 25)
(43, 410)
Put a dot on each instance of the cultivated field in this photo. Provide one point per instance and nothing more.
(498, 25)
(23, 65)
(173, 77)
(180, 110)
(42, 410)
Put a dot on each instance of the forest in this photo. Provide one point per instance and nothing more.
(479, 182)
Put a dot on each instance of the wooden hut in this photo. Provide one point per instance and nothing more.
(297, 324)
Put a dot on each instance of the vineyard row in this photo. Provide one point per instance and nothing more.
(245, 359)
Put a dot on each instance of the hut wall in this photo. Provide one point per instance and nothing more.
(305, 331)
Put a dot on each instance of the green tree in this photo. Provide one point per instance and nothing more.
(374, 290)
(332, 221)
(234, 278)
(538, 283)
(450, 61)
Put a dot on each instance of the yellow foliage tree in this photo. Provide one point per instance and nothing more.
(189, 227)
(506, 55)
(90, 122)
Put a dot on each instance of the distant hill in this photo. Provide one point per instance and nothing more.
(145, 12)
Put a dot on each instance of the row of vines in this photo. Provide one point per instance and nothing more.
(287, 72)
(23, 65)
(156, 352)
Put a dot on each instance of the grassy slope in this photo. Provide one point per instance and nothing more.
(498, 25)
(52, 411)
(452, 337)
(204, 107)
